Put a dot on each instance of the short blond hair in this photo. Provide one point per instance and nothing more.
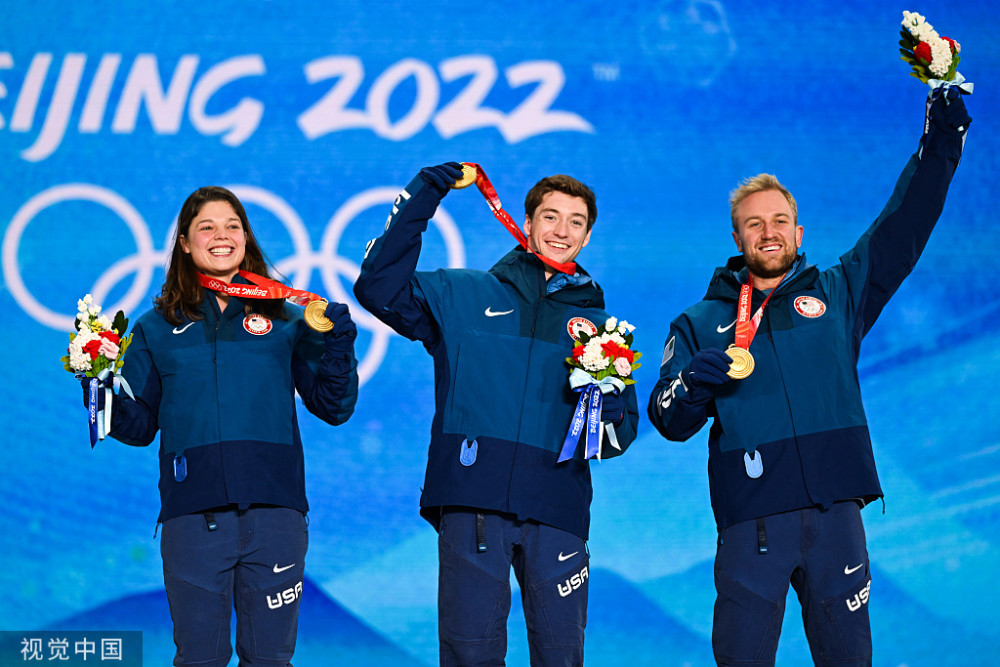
(760, 183)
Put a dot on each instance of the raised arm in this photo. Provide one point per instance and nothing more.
(887, 252)
(384, 287)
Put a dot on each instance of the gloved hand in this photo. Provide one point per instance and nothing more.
(85, 383)
(708, 368)
(949, 113)
(613, 408)
(441, 177)
(341, 337)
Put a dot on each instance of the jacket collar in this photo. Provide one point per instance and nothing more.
(210, 305)
(727, 280)
(526, 274)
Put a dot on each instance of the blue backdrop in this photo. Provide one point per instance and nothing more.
(317, 114)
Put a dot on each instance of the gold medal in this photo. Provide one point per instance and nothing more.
(314, 316)
(742, 365)
(468, 177)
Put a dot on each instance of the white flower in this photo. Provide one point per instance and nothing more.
(593, 358)
(611, 324)
(918, 27)
(105, 322)
(624, 327)
(617, 338)
(940, 57)
(79, 360)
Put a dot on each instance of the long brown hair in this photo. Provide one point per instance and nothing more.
(181, 295)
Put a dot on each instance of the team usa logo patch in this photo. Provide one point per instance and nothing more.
(256, 324)
(809, 306)
(578, 324)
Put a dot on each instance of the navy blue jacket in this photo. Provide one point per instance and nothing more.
(499, 344)
(800, 413)
(224, 398)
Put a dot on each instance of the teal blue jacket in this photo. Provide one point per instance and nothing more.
(499, 341)
(223, 398)
(799, 416)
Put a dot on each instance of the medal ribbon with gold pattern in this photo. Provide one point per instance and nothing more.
(470, 170)
(265, 288)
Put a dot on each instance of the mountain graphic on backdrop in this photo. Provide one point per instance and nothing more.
(328, 634)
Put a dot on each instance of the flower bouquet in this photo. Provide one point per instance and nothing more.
(602, 363)
(95, 351)
(933, 59)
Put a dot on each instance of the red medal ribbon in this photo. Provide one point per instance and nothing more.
(262, 288)
(490, 193)
(746, 326)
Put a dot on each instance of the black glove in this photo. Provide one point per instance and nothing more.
(441, 177)
(948, 111)
(344, 330)
(613, 408)
(708, 368)
(85, 383)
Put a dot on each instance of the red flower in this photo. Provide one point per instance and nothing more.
(922, 52)
(92, 348)
(955, 46)
(628, 354)
(112, 336)
(578, 352)
(612, 350)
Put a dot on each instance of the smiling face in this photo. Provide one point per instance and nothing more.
(767, 235)
(558, 228)
(216, 241)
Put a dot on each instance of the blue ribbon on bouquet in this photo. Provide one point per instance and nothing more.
(940, 86)
(100, 420)
(588, 414)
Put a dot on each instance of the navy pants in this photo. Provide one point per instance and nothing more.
(552, 568)
(822, 553)
(252, 560)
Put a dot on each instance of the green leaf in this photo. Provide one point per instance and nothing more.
(67, 367)
(637, 356)
(628, 339)
(123, 345)
(584, 337)
(119, 323)
(628, 382)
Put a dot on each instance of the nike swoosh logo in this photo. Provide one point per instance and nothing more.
(722, 329)
(562, 558)
(183, 328)
(848, 570)
(497, 313)
(279, 570)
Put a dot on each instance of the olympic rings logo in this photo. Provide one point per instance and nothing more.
(298, 268)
